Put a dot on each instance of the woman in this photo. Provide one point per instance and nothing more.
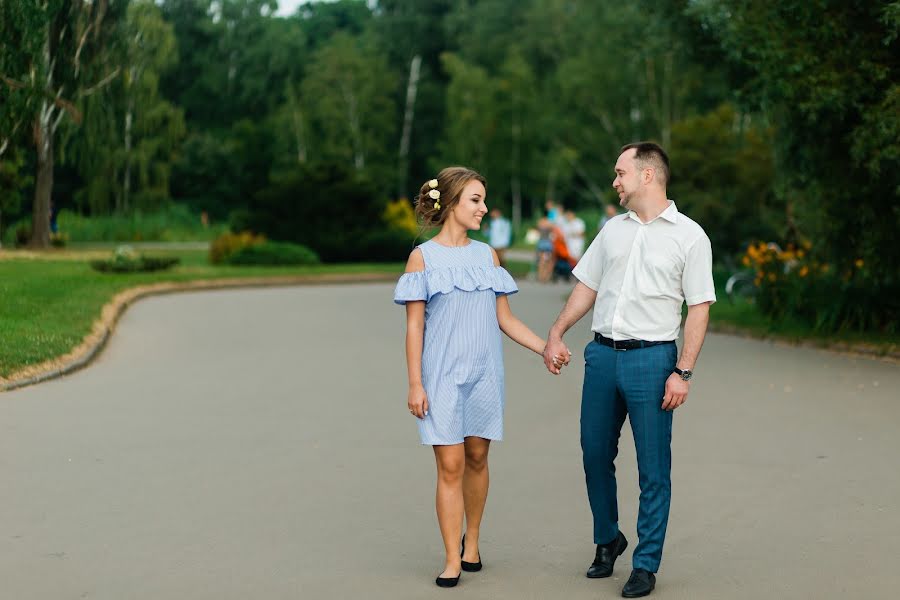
(455, 294)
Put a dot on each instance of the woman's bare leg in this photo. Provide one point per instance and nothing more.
(475, 491)
(451, 466)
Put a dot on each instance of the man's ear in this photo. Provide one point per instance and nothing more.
(648, 174)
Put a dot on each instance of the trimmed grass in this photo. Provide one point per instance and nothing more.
(49, 304)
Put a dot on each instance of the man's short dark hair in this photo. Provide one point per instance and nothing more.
(652, 155)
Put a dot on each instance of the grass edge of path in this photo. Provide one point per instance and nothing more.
(94, 342)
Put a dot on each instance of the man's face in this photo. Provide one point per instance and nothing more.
(628, 179)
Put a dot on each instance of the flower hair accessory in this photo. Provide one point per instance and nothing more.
(435, 194)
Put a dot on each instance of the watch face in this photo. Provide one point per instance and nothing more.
(686, 374)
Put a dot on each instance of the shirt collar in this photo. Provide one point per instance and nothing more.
(670, 214)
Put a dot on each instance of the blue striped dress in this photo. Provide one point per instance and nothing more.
(462, 356)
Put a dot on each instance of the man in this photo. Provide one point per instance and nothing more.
(636, 274)
(499, 234)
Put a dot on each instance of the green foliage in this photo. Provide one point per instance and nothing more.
(55, 54)
(347, 94)
(273, 253)
(226, 245)
(825, 75)
(12, 182)
(174, 223)
(329, 207)
(126, 260)
(724, 167)
(125, 146)
(793, 282)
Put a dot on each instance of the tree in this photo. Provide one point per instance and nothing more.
(349, 94)
(58, 55)
(825, 75)
(125, 146)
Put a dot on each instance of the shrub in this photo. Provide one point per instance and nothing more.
(22, 234)
(327, 207)
(793, 284)
(126, 260)
(388, 245)
(399, 215)
(224, 246)
(173, 223)
(273, 253)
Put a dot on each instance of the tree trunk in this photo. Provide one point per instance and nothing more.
(40, 214)
(126, 182)
(353, 120)
(297, 123)
(515, 183)
(411, 89)
(43, 141)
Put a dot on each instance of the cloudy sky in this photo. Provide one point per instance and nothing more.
(287, 7)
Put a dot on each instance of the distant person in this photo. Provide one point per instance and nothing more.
(544, 249)
(454, 355)
(552, 210)
(573, 227)
(563, 261)
(499, 234)
(610, 212)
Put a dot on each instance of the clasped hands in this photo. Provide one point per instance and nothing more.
(556, 355)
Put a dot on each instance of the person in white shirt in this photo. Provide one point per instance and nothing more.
(636, 274)
(499, 234)
(574, 229)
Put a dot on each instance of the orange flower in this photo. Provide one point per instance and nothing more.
(859, 263)
(746, 261)
(804, 271)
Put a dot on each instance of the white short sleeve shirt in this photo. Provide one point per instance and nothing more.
(644, 272)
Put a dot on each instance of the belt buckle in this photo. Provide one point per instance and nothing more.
(617, 349)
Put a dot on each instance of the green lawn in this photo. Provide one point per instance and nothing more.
(48, 306)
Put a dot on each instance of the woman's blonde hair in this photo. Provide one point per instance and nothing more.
(450, 184)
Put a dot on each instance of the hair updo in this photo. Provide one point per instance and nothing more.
(451, 182)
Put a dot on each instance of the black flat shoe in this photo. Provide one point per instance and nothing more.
(606, 556)
(640, 584)
(447, 581)
(469, 567)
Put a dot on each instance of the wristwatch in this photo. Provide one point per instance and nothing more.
(685, 374)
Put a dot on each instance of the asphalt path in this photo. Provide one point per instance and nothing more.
(256, 444)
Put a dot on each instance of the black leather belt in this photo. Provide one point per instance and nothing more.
(627, 344)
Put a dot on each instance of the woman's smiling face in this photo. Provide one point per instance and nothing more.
(471, 209)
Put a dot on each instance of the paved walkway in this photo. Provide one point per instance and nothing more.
(256, 444)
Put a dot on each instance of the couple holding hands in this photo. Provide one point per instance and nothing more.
(636, 275)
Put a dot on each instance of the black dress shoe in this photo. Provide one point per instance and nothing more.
(641, 583)
(447, 581)
(606, 557)
(467, 566)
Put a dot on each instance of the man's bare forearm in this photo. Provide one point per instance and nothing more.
(580, 302)
(694, 334)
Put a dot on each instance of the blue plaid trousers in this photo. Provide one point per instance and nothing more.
(619, 383)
